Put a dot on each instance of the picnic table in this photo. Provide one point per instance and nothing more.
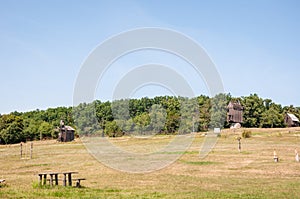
(55, 175)
(42, 178)
(67, 177)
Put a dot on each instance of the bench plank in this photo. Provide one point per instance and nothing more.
(78, 181)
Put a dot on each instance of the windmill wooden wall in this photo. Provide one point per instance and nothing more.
(291, 120)
(235, 112)
(66, 133)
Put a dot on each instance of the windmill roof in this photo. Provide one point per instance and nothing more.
(293, 117)
(69, 128)
(235, 105)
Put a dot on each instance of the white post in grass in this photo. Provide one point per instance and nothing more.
(275, 156)
(296, 156)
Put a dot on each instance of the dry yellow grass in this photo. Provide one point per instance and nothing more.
(224, 173)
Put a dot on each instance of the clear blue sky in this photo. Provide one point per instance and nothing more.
(254, 44)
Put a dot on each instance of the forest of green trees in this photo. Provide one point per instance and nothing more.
(164, 115)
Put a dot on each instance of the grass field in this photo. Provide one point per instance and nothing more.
(224, 173)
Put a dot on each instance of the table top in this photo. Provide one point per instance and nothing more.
(42, 173)
(69, 172)
(54, 173)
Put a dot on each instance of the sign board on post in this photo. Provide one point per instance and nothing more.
(217, 130)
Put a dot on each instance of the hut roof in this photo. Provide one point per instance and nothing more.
(235, 105)
(293, 117)
(68, 128)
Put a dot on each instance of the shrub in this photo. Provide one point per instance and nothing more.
(112, 129)
(246, 134)
(279, 134)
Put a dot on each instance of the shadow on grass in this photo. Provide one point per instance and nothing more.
(179, 152)
(199, 162)
(46, 191)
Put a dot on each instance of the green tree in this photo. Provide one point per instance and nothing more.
(189, 112)
(272, 117)
(173, 114)
(141, 123)
(204, 112)
(253, 109)
(31, 128)
(128, 126)
(46, 130)
(112, 129)
(158, 118)
(11, 129)
(218, 110)
(85, 118)
(103, 113)
(120, 111)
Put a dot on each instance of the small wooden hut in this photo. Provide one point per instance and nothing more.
(291, 120)
(66, 133)
(235, 112)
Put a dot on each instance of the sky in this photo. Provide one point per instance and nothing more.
(254, 44)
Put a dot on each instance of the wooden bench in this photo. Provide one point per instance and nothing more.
(66, 180)
(78, 181)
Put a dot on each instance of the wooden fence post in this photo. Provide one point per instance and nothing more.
(31, 150)
(21, 150)
(239, 144)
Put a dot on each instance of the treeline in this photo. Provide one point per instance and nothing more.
(33, 125)
(164, 115)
